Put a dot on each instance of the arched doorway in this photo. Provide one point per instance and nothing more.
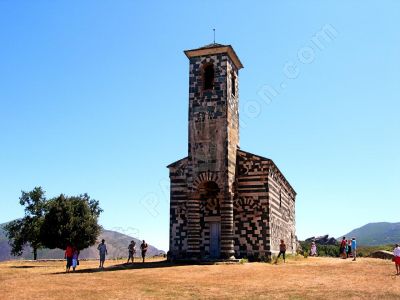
(209, 194)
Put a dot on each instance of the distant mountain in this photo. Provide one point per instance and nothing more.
(374, 234)
(117, 246)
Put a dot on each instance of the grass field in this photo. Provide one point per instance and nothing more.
(311, 278)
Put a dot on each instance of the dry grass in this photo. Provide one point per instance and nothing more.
(312, 278)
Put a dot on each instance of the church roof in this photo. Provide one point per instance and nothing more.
(215, 48)
(176, 162)
(273, 165)
(212, 45)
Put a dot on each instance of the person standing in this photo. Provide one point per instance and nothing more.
(342, 248)
(131, 251)
(68, 256)
(354, 248)
(102, 252)
(75, 258)
(313, 251)
(348, 251)
(396, 253)
(282, 251)
(144, 247)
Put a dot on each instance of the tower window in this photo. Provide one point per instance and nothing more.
(208, 77)
(233, 84)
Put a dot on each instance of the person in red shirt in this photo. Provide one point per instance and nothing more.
(342, 248)
(69, 253)
(282, 251)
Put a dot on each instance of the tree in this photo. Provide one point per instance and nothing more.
(71, 220)
(27, 230)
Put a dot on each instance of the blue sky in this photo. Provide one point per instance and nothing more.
(94, 96)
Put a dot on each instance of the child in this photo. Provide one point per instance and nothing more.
(396, 253)
(75, 256)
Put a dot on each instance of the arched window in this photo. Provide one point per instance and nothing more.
(209, 189)
(208, 77)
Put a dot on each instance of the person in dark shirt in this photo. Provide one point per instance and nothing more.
(144, 247)
(131, 251)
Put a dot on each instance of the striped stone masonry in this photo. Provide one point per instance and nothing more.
(224, 202)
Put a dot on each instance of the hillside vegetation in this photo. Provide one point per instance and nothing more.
(374, 234)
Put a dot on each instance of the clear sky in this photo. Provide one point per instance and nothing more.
(94, 98)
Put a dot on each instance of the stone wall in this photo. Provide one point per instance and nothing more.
(251, 210)
(282, 210)
(264, 207)
(178, 226)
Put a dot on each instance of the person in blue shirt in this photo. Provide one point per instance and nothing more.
(354, 248)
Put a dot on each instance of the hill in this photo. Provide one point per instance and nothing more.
(374, 234)
(117, 245)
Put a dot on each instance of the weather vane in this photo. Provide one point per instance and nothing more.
(214, 34)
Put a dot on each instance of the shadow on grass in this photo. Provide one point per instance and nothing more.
(26, 267)
(124, 266)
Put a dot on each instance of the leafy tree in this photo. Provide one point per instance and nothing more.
(27, 230)
(71, 220)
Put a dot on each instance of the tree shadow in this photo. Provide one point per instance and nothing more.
(26, 267)
(125, 266)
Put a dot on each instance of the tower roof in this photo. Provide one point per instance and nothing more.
(215, 48)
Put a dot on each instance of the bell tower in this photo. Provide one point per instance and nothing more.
(213, 139)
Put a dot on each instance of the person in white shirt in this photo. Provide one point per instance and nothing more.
(313, 250)
(102, 252)
(396, 253)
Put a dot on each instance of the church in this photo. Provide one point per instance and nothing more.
(225, 202)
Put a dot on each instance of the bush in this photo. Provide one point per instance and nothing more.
(365, 251)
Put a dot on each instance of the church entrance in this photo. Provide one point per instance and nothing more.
(209, 194)
(215, 239)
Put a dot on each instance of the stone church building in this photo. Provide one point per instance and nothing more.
(225, 202)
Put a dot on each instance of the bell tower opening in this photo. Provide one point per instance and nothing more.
(233, 84)
(208, 76)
